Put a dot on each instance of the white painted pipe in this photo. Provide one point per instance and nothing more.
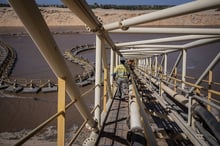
(134, 111)
(158, 30)
(37, 28)
(196, 44)
(112, 64)
(98, 69)
(185, 46)
(153, 46)
(184, 67)
(200, 42)
(187, 8)
(165, 64)
(147, 50)
(156, 64)
(84, 13)
(168, 39)
(143, 52)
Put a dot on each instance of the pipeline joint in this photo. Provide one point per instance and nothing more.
(123, 27)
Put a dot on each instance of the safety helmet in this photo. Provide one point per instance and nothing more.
(122, 60)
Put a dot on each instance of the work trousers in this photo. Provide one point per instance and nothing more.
(122, 87)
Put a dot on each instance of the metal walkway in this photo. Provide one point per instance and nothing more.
(116, 126)
(114, 131)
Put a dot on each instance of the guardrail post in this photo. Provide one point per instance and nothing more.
(98, 79)
(116, 59)
(61, 117)
(184, 68)
(175, 76)
(165, 66)
(210, 86)
(150, 65)
(112, 63)
(189, 111)
(146, 66)
(107, 85)
(155, 69)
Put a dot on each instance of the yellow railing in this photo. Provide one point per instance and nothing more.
(175, 78)
(60, 115)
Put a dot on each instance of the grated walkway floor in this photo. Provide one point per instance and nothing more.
(115, 130)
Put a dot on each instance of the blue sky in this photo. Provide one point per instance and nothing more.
(119, 2)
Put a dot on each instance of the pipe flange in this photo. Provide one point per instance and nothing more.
(99, 19)
(98, 28)
(121, 25)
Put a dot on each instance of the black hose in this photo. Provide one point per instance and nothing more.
(136, 138)
(209, 120)
(211, 140)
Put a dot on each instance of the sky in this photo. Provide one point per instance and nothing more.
(119, 2)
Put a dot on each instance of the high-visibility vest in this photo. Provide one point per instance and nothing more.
(121, 71)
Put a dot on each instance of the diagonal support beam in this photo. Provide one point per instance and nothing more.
(82, 10)
(40, 34)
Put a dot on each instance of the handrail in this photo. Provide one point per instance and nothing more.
(42, 125)
(37, 129)
(191, 84)
(194, 78)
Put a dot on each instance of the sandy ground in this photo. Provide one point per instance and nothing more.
(64, 17)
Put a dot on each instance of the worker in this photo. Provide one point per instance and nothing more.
(122, 75)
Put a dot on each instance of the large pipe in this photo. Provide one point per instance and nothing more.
(187, 8)
(168, 39)
(203, 113)
(112, 64)
(209, 120)
(144, 52)
(146, 49)
(98, 69)
(82, 10)
(150, 138)
(155, 46)
(206, 134)
(37, 28)
(153, 30)
(134, 112)
(193, 44)
(200, 42)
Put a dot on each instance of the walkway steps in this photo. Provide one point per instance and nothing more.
(114, 131)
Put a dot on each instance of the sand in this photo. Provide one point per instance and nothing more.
(64, 17)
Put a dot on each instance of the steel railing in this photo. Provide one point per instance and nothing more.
(46, 122)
